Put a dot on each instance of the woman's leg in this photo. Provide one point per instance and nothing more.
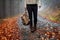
(35, 8)
(30, 15)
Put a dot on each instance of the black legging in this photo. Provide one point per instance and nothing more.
(32, 8)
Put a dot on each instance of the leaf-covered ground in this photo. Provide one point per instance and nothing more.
(9, 30)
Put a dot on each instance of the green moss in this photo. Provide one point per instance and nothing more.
(55, 18)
